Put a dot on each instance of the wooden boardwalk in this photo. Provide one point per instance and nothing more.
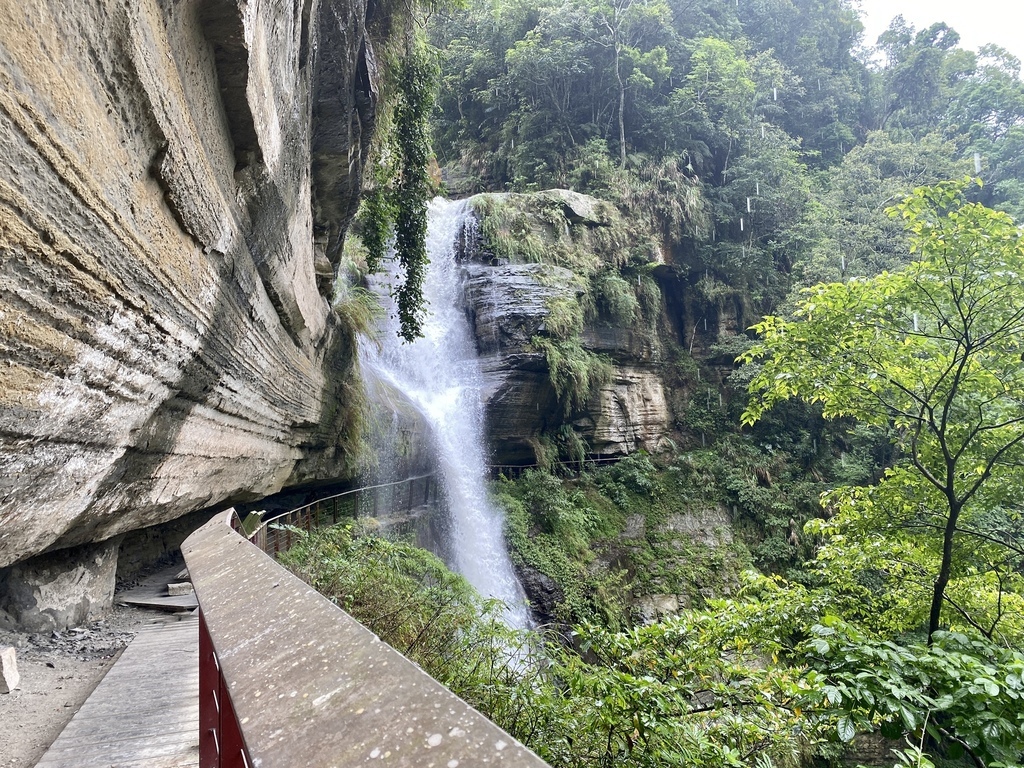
(145, 712)
(152, 593)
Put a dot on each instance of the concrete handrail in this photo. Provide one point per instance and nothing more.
(302, 683)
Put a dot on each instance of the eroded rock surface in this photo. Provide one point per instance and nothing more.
(61, 589)
(508, 306)
(176, 176)
(630, 413)
(510, 303)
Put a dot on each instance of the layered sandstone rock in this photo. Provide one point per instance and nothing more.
(176, 182)
(510, 302)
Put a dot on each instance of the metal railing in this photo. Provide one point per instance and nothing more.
(515, 470)
(275, 534)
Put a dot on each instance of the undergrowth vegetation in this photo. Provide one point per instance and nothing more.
(684, 526)
(687, 691)
(692, 689)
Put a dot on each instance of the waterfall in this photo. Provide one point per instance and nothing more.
(440, 376)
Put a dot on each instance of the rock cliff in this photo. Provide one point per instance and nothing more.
(531, 260)
(177, 180)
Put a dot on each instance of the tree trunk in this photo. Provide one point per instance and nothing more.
(939, 588)
(622, 110)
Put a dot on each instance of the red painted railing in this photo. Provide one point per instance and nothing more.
(221, 744)
(289, 679)
(220, 736)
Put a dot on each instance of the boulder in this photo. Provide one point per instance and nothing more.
(653, 608)
(9, 677)
(63, 589)
(577, 208)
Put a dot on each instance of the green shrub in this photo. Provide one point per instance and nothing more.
(616, 301)
(575, 373)
(564, 320)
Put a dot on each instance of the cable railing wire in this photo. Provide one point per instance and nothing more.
(276, 533)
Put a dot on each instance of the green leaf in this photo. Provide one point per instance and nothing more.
(845, 729)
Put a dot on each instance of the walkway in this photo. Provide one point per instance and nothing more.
(145, 712)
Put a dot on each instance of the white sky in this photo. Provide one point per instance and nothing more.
(978, 21)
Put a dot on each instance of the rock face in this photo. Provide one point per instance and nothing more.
(61, 589)
(508, 306)
(510, 303)
(631, 413)
(177, 180)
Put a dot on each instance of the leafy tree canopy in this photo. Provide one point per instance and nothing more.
(934, 352)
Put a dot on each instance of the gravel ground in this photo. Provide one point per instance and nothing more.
(58, 672)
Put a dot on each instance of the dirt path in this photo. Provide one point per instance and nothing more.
(58, 672)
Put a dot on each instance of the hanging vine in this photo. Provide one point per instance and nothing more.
(416, 98)
(398, 201)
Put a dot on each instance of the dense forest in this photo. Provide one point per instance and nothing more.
(860, 197)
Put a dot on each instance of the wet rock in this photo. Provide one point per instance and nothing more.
(509, 305)
(543, 593)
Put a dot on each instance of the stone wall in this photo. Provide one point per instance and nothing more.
(176, 182)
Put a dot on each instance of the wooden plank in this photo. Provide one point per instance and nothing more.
(174, 755)
(161, 602)
(112, 744)
(145, 712)
(164, 762)
(155, 719)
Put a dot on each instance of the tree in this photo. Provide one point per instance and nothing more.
(857, 238)
(934, 353)
(623, 26)
(922, 73)
(987, 113)
(814, 39)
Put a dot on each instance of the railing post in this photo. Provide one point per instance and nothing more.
(275, 535)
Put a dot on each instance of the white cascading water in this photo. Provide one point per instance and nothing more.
(440, 375)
